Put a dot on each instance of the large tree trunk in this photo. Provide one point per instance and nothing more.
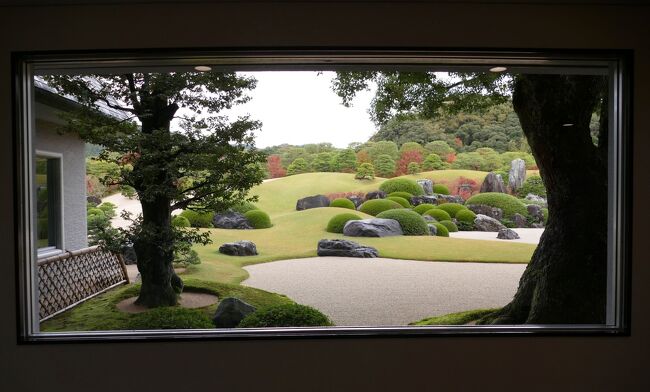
(565, 281)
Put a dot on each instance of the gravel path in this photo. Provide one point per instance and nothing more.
(123, 203)
(527, 236)
(383, 292)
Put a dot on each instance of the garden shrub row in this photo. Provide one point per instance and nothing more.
(412, 223)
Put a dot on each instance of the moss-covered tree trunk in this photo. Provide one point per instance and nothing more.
(565, 281)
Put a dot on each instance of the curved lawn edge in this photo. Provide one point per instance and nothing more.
(458, 318)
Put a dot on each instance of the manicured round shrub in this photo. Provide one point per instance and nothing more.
(405, 195)
(198, 219)
(180, 221)
(343, 203)
(375, 206)
(438, 214)
(534, 185)
(509, 204)
(258, 219)
(412, 223)
(451, 208)
(336, 224)
(95, 211)
(422, 208)
(466, 216)
(545, 212)
(451, 226)
(400, 200)
(288, 315)
(441, 189)
(441, 230)
(170, 317)
(244, 207)
(402, 185)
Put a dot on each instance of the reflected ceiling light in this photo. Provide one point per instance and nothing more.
(203, 68)
(498, 69)
(567, 125)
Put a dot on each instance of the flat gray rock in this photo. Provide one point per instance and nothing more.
(486, 223)
(492, 212)
(372, 228)
(507, 234)
(376, 195)
(315, 201)
(230, 312)
(239, 248)
(345, 248)
(519, 220)
(231, 220)
(417, 200)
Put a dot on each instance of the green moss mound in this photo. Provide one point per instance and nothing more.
(291, 315)
(438, 214)
(244, 207)
(400, 200)
(533, 184)
(509, 204)
(401, 185)
(343, 203)
(412, 223)
(198, 219)
(405, 195)
(375, 206)
(451, 226)
(459, 318)
(337, 223)
(258, 219)
(171, 317)
(180, 221)
(452, 208)
(422, 208)
(441, 189)
(466, 216)
(442, 230)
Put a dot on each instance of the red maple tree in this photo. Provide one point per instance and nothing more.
(274, 165)
(405, 158)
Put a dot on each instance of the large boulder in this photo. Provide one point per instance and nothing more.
(345, 248)
(450, 199)
(433, 229)
(315, 201)
(493, 183)
(507, 234)
(535, 212)
(427, 186)
(230, 312)
(486, 223)
(417, 200)
(231, 220)
(239, 248)
(517, 174)
(492, 212)
(357, 200)
(372, 228)
(519, 220)
(376, 195)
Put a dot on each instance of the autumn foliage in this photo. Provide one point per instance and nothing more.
(405, 158)
(274, 166)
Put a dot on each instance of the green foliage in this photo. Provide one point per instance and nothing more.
(412, 223)
(465, 226)
(534, 185)
(343, 203)
(441, 189)
(170, 317)
(438, 214)
(402, 201)
(384, 165)
(243, 207)
(460, 318)
(404, 195)
(290, 315)
(439, 147)
(413, 168)
(322, 162)
(337, 222)
(383, 148)
(365, 171)
(402, 185)
(411, 146)
(451, 208)
(258, 219)
(346, 161)
(201, 219)
(509, 204)
(442, 230)
(108, 208)
(470, 161)
(375, 206)
(184, 254)
(422, 208)
(297, 167)
(180, 221)
(451, 226)
(509, 156)
(466, 215)
(409, 130)
(432, 162)
(545, 212)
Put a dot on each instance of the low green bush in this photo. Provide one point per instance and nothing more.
(438, 214)
(289, 315)
(422, 208)
(170, 317)
(375, 206)
(337, 222)
(343, 203)
(198, 219)
(412, 223)
(441, 189)
(96, 211)
(465, 226)
(244, 207)
(466, 216)
(509, 204)
(451, 226)
(405, 195)
(441, 230)
(180, 221)
(400, 200)
(402, 185)
(108, 208)
(258, 219)
(452, 208)
(534, 185)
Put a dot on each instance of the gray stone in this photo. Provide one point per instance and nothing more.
(128, 254)
(519, 220)
(433, 230)
(94, 200)
(537, 199)
(375, 227)
(356, 200)
(517, 174)
(429, 218)
(315, 201)
(230, 312)
(535, 212)
(450, 199)
(493, 183)
(486, 223)
(239, 248)
(537, 225)
(345, 248)
(417, 200)
(376, 195)
(427, 186)
(507, 234)
(231, 220)
(492, 212)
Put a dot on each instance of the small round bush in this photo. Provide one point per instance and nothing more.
(400, 200)
(451, 226)
(441, 230)
(441, 189)
(405, 195)
(337, 223)
(466, 216)
(170, 317)
(402, 185)
(243, 207)
(438, 214)
(451, 208)
(288, 315)
(412, 223)
(258, 219)
(96, 211)
(422, 208)
(343, 203)
(534, 185)
(180, 221)
(375, 206)
(509, 204)
(198, 219)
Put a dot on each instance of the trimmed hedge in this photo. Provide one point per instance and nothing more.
(466, 216)
(451, 226)
(509, 204)
(441, 189)
(438, 214)
(441, 230)
(412, 223)
(198, 219)
(170, 317)
(180, 221)
(451, 208)
(375, 206)
(405, 195)
(343, 202)
(337, 223)
(402, 185)
(289, 315)
(422, 208)
(400, 200)
(258, 219)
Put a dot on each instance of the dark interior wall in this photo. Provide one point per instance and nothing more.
(441, 363)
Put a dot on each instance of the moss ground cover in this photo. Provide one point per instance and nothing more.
(459, 318)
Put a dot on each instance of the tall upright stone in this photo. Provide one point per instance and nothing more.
(427, 186)
(493, 183)
(517, 174)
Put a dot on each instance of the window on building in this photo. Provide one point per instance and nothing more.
(48, 205)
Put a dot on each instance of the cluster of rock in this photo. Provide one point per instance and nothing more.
(231, 220)
(345, 248)
(239, 248)
(375, 227)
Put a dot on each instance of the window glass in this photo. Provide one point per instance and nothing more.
(48, 221)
